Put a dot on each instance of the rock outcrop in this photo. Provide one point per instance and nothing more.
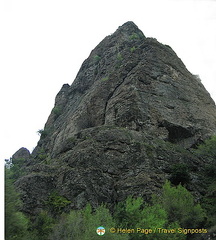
(117, 130)
(22, 153)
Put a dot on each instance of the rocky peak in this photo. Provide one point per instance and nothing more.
(128, 31)
(137, 83)
(109, 133)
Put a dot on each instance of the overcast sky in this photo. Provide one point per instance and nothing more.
(44, 42)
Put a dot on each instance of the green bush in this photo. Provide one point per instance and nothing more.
(129, 212)
(42, 226)
(82, 224)
(133, 213)
(208, 148)
(174, 208)
(41, 155)
(97, 59)
(104, 79)
(16, 224)
(134, 36)
(119, 59)
(57, 111)
(209, 204)
(156, 217)
(180, 207)
(133, 49)
(56, 203)
(43, 133)
(179, 174)
(210, 170)
(15, 168)
(207, 151)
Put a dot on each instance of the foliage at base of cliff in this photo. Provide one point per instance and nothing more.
(173, 209)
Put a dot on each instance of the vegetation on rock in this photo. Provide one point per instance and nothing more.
(173, 209)
(16, 223)
(133, 118)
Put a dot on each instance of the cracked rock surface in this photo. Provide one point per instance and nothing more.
(108, 134)
(135, 82)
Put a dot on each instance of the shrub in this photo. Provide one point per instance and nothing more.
(41, 155)
(16, 224)
(56, 203)
(43, 133)
(97, 59)
(179, 174)
(82, 224)
(208, 148)
(119, 57)
(128, 212)
(119, 60)
(133, 49)
(210, 170)
(134, 36)
(209, 203)
(180, 207)
(57, 111)
(155, 217)
(15, 167)
(42, 226)
(133, 213)
(104, 79)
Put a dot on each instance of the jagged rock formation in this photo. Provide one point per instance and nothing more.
(109, 134)
(22, 153)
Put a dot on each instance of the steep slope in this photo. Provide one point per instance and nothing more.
(134, 82)
(116, 130)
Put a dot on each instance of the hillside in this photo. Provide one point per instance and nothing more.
(133, 113)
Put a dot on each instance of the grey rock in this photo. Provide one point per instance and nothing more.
(22, 153)
(117, 130)
(137, 83)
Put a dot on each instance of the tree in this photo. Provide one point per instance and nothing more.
(180, 174)
(134, 213)
(82, 224)
(42, 226)
(16, 224)
(180, 207)
(207, 151)
(208, 148)
(56, 203)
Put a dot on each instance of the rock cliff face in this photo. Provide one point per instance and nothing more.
(117, 130)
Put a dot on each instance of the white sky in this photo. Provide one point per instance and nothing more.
(44, 42)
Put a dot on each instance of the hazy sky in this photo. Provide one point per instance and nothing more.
(44, 42)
